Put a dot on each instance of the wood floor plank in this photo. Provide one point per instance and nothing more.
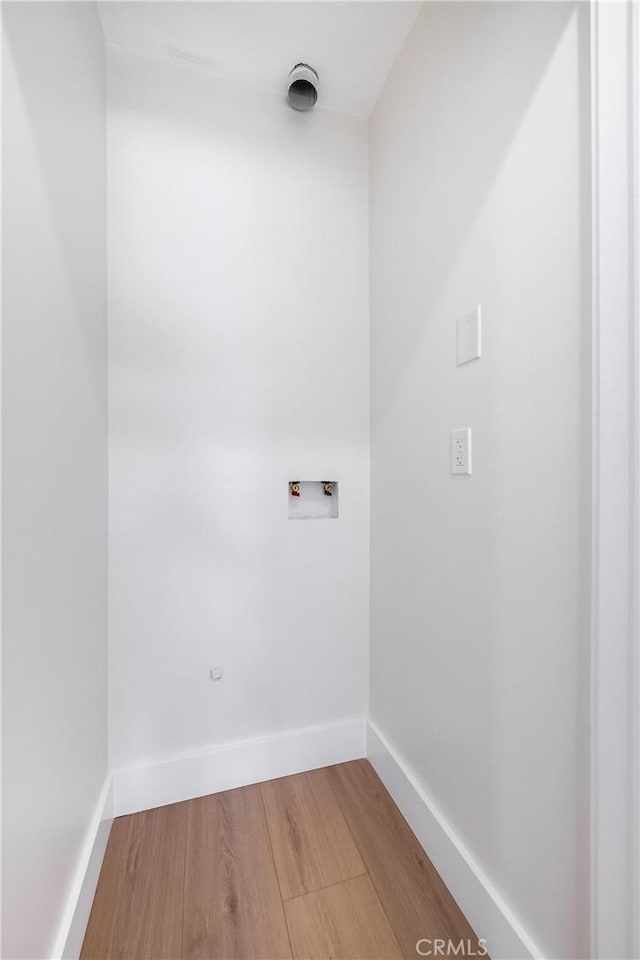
(312, 844)
(232, 903)
(97, 939)
(345, 922)
(137, 912)
(413, 895)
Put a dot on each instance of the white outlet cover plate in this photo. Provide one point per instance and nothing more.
(460, 444)
(470, 336)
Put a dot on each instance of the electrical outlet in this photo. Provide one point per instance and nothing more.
(461, 451)
(216, 673)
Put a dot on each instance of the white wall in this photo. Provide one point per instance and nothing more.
(54, 453)
(238, 361)
(479, 193)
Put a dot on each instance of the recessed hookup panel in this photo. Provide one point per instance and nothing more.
(313, 499)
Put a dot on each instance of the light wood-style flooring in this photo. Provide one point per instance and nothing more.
(316, 865)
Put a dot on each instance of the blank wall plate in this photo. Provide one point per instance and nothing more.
(461, 451)
(470, 337)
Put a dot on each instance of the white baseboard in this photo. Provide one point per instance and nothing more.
(485, 909)
(85, 879)
(236, 765)
(252, 761)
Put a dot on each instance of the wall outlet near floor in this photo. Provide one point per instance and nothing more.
(460, 444)
(216, 673)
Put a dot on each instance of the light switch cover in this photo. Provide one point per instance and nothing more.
(470, 337)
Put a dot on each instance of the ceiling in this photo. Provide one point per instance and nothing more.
(352, 45)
